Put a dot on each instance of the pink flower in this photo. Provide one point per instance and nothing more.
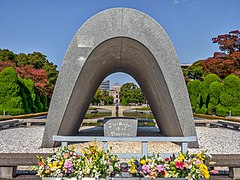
(68, 165)
(145, 169)
(66, 155)
(160, 168)
(179, 164)
(185, 165)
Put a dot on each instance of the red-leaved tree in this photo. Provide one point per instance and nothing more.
(38, 76)
(5, 64)
(228, 61)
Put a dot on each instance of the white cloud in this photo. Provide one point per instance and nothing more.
(185, 1)
(175, 2)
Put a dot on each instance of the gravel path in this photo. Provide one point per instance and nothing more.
(216, 140)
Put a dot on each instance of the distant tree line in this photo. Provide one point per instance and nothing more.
(26, 82)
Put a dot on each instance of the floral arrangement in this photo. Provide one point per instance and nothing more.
(97, 163)
(61, 163)
(65, 162)
(189, 166)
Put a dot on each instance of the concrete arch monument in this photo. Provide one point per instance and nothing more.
(120, 40)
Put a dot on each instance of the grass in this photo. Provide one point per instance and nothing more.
(138, 115)
(144, 108)
(97, 115)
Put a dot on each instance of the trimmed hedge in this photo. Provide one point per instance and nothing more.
(10, 99)
(214, 97)
(18, 95)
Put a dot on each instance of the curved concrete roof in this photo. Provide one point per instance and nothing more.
(126, 40)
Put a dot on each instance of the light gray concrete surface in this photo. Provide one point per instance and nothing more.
(120, 40)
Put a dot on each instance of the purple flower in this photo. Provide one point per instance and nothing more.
(145, 169)
(136, 163)
(139, 169)
(68, 165)
(160, 168)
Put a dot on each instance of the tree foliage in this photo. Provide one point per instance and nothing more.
(230, 95)
(213, 96)
(10, 99)
(97, 97)
(105, 98)
(102, 97)
(34, 66)
(228, 43)
(130, 93)
(18, 95)
(194, 72)
(194, 91)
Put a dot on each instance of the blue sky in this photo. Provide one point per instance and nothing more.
(48, 26)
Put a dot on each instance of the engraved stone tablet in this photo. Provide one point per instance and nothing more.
(120, 126)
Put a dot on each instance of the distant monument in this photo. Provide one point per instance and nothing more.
(120, 40)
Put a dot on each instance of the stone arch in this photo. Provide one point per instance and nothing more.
(120, 40)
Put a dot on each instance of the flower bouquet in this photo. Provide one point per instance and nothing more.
(61, 164)
(65, 163)
(186, 166)
(96, 163)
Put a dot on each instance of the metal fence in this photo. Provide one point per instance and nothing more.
(144, 140)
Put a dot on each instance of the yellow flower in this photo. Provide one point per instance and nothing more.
(133, 170)
(166, 174)
(150, 160)
(200, 157)
(60, 164)
(204, 169)
(143, 161)
(52, 166)
(207, 175)
(180, 157)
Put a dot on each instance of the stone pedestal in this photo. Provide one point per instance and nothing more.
(234, 172)
(7, 172)
(120, 127)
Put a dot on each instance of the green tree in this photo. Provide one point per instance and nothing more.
(194, 72)
(6, 55)
(230, 96)
(203, 100)
(205, 87)
(105, 98)
(130, 93)
(193, 91)
(97, 97)
(32, 62)
(25, 95)
(37, 102)
(44, 100)
(215, 90)
(10, 99)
